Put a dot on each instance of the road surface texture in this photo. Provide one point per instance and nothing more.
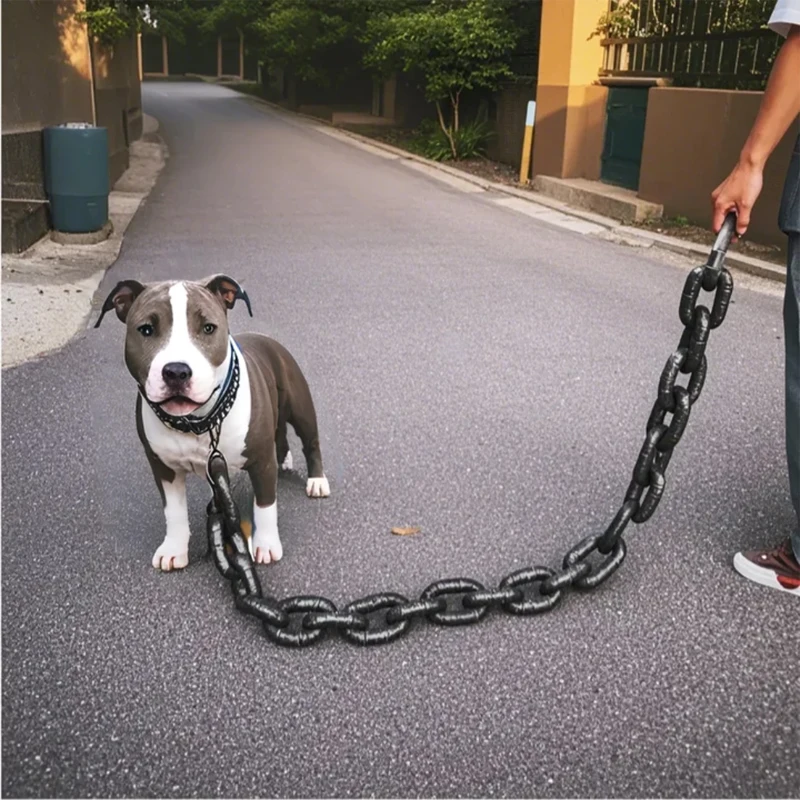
(477, 373)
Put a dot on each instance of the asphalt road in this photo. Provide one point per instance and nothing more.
(477, 373)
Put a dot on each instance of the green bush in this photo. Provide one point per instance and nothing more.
(251, 87)
(450, 47)
(470, 141)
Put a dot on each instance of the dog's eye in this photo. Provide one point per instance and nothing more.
(209, 328)
(146, 330)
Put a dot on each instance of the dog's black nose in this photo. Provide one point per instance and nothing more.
(176, 372)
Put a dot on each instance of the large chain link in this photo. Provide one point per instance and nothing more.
(381, 618)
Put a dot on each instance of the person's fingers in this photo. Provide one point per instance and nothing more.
(743, 218)
(721, 208)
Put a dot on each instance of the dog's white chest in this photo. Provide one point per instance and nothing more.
(186, 452)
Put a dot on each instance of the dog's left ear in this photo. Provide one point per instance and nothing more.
(228, 290)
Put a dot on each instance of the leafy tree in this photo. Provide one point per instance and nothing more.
(111, 20)
(107, 22)
(619, 21)
(451, 46)
(227, 16)
(313, 40)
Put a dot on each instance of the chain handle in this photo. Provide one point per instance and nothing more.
(381, 618)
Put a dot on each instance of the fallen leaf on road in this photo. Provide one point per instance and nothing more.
(405, 531)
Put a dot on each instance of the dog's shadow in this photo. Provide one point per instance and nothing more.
(292, 477)
(242, 488)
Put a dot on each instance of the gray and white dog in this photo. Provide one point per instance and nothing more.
(195, 381)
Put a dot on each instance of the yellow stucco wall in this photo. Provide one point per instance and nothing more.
(570, 110)
(46, 66)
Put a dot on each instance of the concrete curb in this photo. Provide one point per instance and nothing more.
(754, 266)
(49, 290)
(614, 230)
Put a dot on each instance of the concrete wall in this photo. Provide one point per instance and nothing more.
(118, 99)
(511, 106)
(46, 80)
(692, 141)
(46, 65)
(405, 103)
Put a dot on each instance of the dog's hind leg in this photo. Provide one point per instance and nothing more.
(303, 418)
(282, 445)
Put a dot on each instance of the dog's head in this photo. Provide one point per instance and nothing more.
(177, 342)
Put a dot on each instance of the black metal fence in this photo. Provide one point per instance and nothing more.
(709, 43)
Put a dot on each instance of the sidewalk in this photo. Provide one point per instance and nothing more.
(548, 209)
(48, 290)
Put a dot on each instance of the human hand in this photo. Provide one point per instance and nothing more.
(738, 192)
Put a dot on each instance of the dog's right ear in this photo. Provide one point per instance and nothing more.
(121, 299)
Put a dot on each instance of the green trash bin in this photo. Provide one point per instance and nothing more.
(76, 176)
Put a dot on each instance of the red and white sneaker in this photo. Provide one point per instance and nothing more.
(777, 568)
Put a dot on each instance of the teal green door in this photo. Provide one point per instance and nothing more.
(622, 149)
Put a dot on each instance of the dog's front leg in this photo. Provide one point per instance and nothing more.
(266, 540)
(174, 550)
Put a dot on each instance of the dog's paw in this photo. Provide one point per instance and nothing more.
(318, 487)
(171, 555)
(266, 548)
(288, 463)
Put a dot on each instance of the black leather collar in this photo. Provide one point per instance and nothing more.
(199, 425)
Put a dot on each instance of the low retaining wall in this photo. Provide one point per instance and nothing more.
(118, 100)
(511, 106)
(692, 141)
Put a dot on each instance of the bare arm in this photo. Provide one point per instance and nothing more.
(779, 108)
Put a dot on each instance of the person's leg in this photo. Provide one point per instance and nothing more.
(791, 319)
(780, 567)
